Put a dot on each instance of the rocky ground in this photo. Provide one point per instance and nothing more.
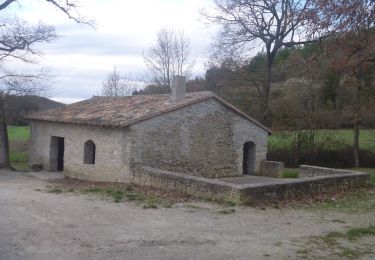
(40, 221)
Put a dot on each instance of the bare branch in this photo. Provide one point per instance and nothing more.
(169, 56)
(117, 85)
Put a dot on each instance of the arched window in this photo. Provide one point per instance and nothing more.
(89, 152)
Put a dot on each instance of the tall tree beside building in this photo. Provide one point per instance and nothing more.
(351, 26)
(272, 25)
(18, 39)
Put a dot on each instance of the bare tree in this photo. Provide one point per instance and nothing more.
(169, 56)
(271, 24)
(117, 85)
(17, 43)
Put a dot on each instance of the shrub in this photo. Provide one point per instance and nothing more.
(290, 173)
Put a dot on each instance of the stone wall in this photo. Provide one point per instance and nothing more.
(204, 139)
(253, 193)
(312, 171)
(112, 150)
(300, 188)
(271, 169)
(196, 186)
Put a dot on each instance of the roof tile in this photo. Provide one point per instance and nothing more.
(124, 111)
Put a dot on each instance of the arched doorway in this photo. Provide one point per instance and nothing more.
(249, 158)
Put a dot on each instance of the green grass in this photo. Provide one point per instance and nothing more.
(18, 133)
(290, 173)
(351, 234)
(18, 136)
(361, 201)
(356, 233)
(338, 244)
(115, 194)
(18, 157)
(120, 195)
(19, 160)
(338, 139)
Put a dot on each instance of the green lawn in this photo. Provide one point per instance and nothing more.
(337, 139)
(18, 133)
(18, 137)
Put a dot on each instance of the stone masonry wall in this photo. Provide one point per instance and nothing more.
(271, 169)
(196, 186)
(311, 171)
(204, 139)
(250, 193)
(112, 149)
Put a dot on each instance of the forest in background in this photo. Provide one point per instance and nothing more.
(303, 94)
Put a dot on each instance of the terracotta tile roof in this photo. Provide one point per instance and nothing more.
(124, 111)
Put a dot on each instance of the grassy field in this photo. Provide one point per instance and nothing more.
(18, 133)
(336, 139)
(18, 142)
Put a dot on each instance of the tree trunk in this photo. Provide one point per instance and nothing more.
(357, 121)
(267, 115)
(4, 144)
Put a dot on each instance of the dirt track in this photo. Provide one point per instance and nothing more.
(35, 224)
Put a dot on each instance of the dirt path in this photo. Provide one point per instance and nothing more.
(35, 224)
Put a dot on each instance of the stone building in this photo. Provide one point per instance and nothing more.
(105, 138)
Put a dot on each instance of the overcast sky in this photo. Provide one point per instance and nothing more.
(82, 56)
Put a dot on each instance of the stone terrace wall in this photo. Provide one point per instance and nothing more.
(204, 139)
(299, 188)
(222, 191)
(312, 171)
(187, 184)
(271, 169)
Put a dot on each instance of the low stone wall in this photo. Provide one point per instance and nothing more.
(252, 193)
(197, 186)
(301, 187)
(271, 169)
(312, 171)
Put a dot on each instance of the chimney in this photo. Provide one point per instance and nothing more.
(178, 88)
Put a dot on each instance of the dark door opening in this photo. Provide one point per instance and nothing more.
(248, 158)
(57, 148)
(60, 154)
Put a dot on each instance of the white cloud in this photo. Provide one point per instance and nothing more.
(83, 56)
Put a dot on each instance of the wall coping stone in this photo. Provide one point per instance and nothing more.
(306, 180)
(309, 171)
(188, 177)
(276, 181)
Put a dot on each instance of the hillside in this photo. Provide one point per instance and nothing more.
(19, 106)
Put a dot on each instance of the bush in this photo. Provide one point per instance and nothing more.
(340, 158)
(290, 173)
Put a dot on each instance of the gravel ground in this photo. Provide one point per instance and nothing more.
(35, 224)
